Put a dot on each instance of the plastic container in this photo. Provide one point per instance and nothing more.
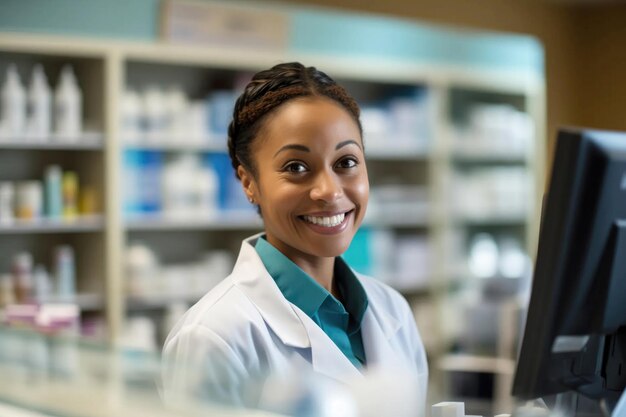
(7, 291)
(53, 191)
(23, 277)
(178, 186)
(68, 107)
(29, 200)
(39, 105)
(7, 202)
(13, 104)
(176, 106)
(42, 284)
(70, 194)
(65, 272)
(155, 115)
(150, 181)
(141, 269)
(207, 189)
(63, 322)
(132, 166)
(131, 123)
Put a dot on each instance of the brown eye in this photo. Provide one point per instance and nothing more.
(295, 167)
(347, 163)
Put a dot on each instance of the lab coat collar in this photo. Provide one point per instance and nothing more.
(294, 328)
(253, 279)
(291, 325)
(326, 358)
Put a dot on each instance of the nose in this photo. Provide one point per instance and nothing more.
(326, 187)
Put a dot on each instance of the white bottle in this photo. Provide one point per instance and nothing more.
(39, 105)
(176, 106)
(42, 284)
(13, 104)
(68, 105)
(206, 183)
(131, 117)
(23, 277)
(7, 202)
(7, 292)
(65, 271)
(179, 191)
(155, 116)
(29, 200)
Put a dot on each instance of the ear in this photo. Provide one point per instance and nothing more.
(249, 184)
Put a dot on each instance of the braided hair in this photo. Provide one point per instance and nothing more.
(269, 89)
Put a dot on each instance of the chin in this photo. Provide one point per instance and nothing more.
(331, 250)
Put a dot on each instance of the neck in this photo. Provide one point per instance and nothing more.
(321, 270)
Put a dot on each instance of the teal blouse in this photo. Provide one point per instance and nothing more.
(341, 322)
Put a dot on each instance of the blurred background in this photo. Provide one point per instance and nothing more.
(119, 208)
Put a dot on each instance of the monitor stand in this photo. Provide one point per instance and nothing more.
(572, 403)
(620, 408)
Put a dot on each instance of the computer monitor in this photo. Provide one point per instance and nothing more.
(575, 334)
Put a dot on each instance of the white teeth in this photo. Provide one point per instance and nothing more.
(331, 221)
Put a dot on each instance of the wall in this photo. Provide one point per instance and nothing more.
(600, 68)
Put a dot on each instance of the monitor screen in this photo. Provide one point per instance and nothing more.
(575, 334)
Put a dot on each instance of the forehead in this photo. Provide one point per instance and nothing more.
(308, 119)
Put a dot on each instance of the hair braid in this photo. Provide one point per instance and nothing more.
(268, 90)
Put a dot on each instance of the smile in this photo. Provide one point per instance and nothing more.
(331, 221)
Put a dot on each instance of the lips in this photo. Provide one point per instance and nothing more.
(326, 221)
(331, 222)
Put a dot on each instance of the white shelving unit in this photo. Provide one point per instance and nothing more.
(82, 224)
(106, 68)
(245, 222)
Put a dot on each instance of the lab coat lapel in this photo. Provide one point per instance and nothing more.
(377, 329)
(327, 359)
(292, 326)
(251, 277)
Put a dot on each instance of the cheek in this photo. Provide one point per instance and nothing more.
(278, 196)
(362, 188)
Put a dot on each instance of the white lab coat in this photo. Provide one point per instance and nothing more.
(244, 329)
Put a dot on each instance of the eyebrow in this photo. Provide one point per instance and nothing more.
(293, 146)
(305, 149)
(347, 142)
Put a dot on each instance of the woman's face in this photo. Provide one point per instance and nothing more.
(311, 181)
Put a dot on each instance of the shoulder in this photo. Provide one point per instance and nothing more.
(221, 313)
(382, 295)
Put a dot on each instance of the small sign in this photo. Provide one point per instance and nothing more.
(212, 24)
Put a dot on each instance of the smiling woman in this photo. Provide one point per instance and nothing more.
(291, 302)
(310, 182)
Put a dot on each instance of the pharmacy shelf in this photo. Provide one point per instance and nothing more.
(392, 153)
(108, 70)
(92, 142)
(490, 220)
(219, 223)
(479, 157)
(204, 146)
(400, 222)
(248, 222)
(82, 224)
(90, 301)
(414, 291)
(474, 363)
(159, 301)
(84, 301)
